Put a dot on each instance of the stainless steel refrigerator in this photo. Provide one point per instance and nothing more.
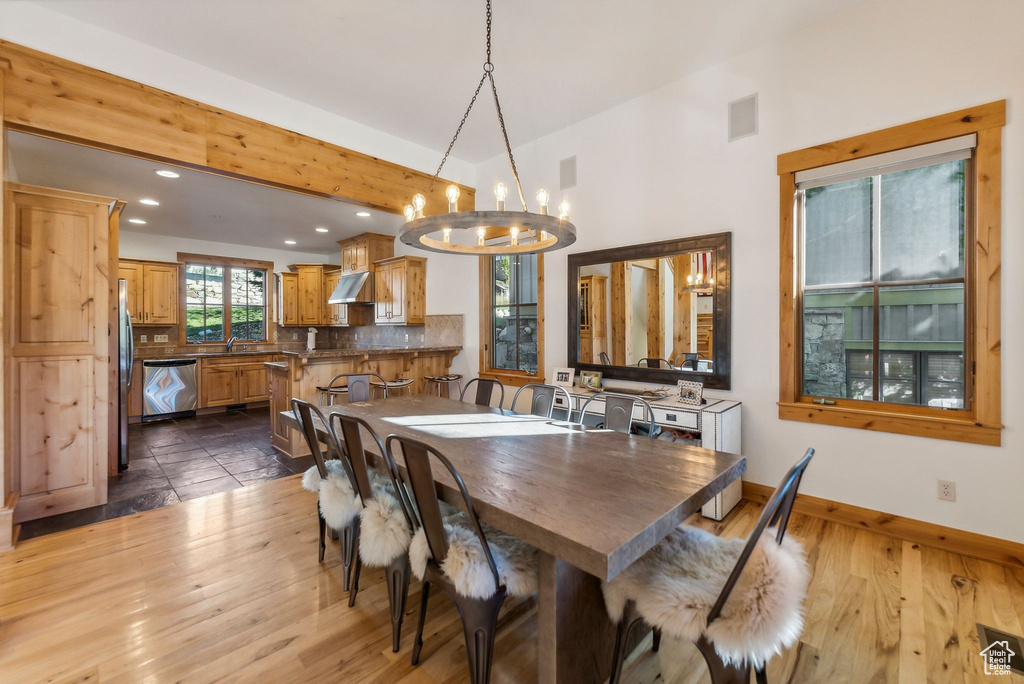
(125, 353)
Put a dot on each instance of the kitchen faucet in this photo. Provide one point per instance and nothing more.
(231, 342)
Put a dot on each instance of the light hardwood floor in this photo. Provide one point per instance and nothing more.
(227, 588)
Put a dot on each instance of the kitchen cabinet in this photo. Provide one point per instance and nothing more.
(152, 290)
(288, 298)
(360, 252)
(400, 291)
(231, 380)
(311, 293)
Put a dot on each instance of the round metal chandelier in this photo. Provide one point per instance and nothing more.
(489, 232)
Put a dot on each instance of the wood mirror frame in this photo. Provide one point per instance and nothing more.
(720, 244)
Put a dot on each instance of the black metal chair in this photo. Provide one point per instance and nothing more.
(776, 513)
(618, 412)
(484, 391)
(653, 362)
(349, 534)
(479, 615)
(397, 570)
(605, 359)
(542, 403)
(357, 387)
(689, 360)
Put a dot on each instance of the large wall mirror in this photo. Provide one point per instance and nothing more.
(656, 312)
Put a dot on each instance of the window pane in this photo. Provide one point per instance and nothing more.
(837, 233)
(214, 288)
(502, 279)
(527, 322)
(527, 279)
(204, 324)
(899, 377)
(860, 372)
(504, 346)
(247, 322)
(944, 380)
(930, 315)
(922, 222)
(247, 286)
(833, 324)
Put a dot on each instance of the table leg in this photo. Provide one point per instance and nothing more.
(576, 638)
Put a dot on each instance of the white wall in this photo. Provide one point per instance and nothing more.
(133, 245)
(660, 167)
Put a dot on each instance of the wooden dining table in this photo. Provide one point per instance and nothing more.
(592, 501)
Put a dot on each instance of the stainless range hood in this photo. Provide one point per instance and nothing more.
(351, 290)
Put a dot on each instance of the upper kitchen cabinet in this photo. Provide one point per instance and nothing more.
(152, 290)
(312, 300)
(288, 298)
(360, 252)
(401, 291)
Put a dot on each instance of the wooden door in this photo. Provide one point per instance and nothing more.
(310, 295)
(397, 286)
(361, 256)
(252, 383)
(599, 306)
(218, 385)
(348, 258)
(289, 302)
(132, 273)
(382, 293)
(332, 312)
(160, 294)
(57, 255)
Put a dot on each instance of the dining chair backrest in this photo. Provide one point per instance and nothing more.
(689, 360)
(652, 362)
(358, 384)
(776, 513)
(605, 359)
(542, 403)
(618, 411)
(351, 429)
(484, 391)
(304, 413)
(420, 478)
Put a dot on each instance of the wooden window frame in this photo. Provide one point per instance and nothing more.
(508, 377)
(981, 422)
(227, 263)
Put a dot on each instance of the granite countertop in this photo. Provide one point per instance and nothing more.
(144, 354)
(360, 351)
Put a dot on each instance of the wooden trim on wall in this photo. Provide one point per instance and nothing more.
(57, 98)
(916, 531)
(981, 422)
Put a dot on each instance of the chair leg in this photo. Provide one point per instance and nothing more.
(323, 534)
(355, 581)
(418, 643)
(656, 640)
(760, 676)
(630, 617)
(349, 547)
(719, 671)
(480, 622)
(398, 594)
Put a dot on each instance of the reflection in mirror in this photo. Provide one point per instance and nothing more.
(650, 313)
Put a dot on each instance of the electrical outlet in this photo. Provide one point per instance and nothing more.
(159, 338)
(947, 490)
(406, 337)
(143, 338)
(357, 337)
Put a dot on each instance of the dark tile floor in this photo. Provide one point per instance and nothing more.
(177, 460)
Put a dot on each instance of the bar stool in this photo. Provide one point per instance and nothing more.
(393, 387)
(445, 380)
(356, 387)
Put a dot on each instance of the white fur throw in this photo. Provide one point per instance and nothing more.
(676, 583)
(384, 533)
(338, 503)
(466, 566)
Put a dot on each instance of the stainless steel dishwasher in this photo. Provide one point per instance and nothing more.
(169, 388)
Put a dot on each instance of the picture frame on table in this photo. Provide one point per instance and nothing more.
(590, 379)
(564, 377)
(691, 393)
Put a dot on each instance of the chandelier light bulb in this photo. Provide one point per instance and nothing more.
(410, 212)
(481, 232)
(500, 193)
(513, 234)
(447, 233)
(418, 202)
(452, 193)
(543, 235)
(563, 210)
(542, 199)
(689, 279)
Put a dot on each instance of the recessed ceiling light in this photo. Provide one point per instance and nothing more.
(362, 214)
(289, 242)
(149, 202)
(138, 221)
(322, 230)
(167, 174)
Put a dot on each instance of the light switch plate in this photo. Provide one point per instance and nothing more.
(143, 338)
(159, 338)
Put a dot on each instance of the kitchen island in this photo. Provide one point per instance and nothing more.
(298, 374)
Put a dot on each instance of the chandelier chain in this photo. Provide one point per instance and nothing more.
(488, 75)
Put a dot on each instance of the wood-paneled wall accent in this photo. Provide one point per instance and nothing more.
(622, 313)
(917, 531)
(682, 332)
(655, 304)
(57, 268)
(54, 97)
(981, 423)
